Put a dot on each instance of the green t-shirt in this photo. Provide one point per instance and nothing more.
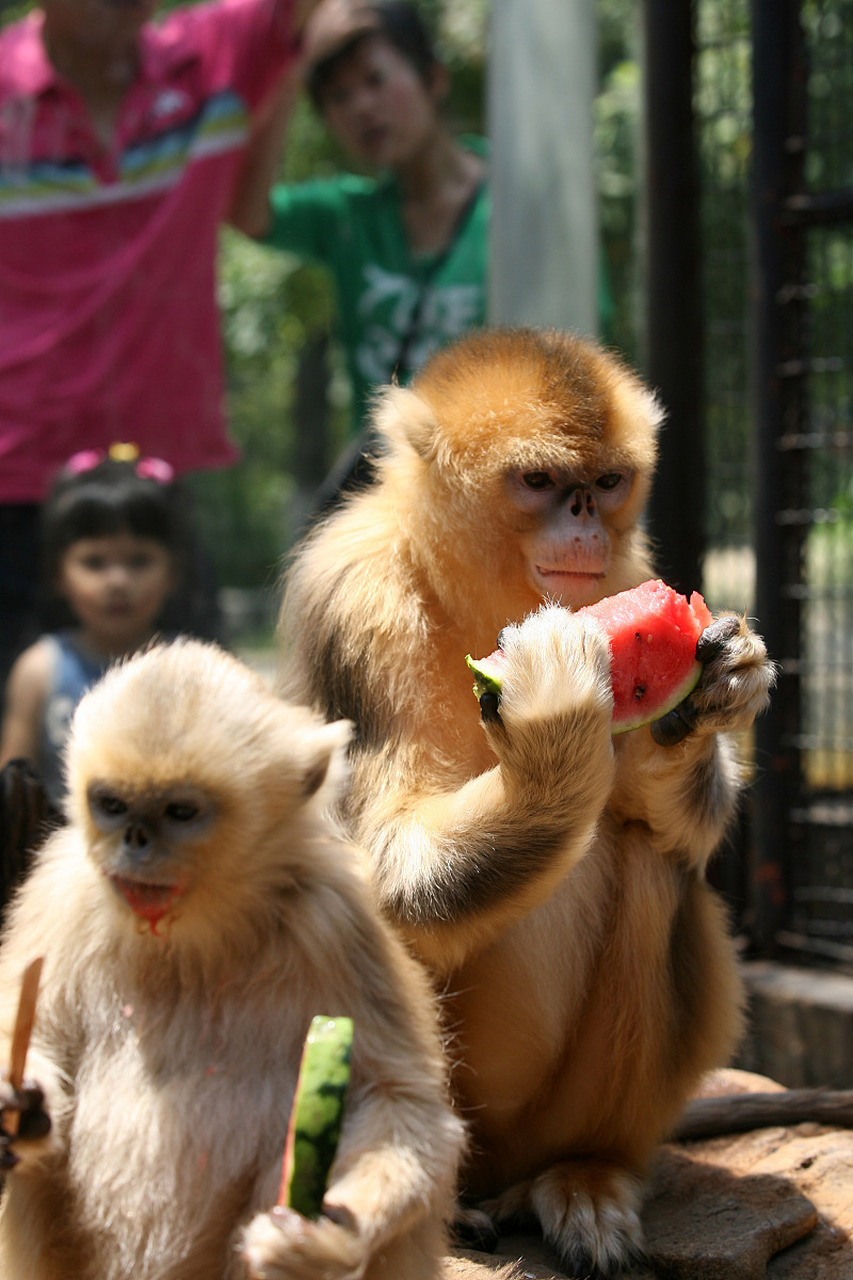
(354, 226)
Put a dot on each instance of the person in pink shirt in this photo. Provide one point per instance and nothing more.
(121, 140)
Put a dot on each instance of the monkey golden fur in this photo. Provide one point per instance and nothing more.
(549, 876)
(168, 1039)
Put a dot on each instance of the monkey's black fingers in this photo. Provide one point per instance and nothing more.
(714, 638)
(31, 1124)
(28, 1101)
(474, 1229)
(34, 1124)
(675, 725)
(681, 721)
(8, 1159)
(489, 707)
(580, 1264)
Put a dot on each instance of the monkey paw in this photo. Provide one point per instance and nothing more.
(558, 663)
(734, 686)
(282, 1245)
(588, 1210)
(556, 702)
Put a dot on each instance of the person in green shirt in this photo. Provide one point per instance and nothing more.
(408, 247)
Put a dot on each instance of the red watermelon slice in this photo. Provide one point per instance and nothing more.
(653, 633)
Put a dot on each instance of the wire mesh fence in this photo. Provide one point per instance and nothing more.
(813, 386)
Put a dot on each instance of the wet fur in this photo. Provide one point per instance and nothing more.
(169, 1061)
(551, 878)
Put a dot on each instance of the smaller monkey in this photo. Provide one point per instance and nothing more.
(193, 916)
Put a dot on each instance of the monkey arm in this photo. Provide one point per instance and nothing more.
(685, 794)
(400, 1144)
(394, 1173)
(397, 1145)
(455, 866)
(390, 1171)
(463, 865)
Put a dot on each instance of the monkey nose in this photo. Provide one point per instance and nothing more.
(137, 836)
(582, 502)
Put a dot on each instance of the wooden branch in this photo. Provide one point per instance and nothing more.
(740, 1112)
(21, 1037)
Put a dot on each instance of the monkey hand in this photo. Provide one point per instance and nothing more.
(282, 1245)
(33, 1121)
(552, 726)
(734, 686)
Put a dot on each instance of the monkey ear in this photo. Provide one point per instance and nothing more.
(406, 420)
(327, 758)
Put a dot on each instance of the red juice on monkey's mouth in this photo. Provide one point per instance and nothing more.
(151, 902)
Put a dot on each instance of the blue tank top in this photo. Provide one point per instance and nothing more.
(73, 673)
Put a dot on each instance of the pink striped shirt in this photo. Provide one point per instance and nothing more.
(109, 328)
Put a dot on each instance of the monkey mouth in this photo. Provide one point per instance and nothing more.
(594, 574)
(149, 901)
(566, 583)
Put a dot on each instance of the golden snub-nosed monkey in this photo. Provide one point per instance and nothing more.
(193, 917)
(550, 877)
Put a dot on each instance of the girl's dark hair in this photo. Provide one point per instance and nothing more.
(402, 26)
(107, 498)
(137, 497)
(113, 497)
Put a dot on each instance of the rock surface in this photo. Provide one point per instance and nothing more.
(771, 1204)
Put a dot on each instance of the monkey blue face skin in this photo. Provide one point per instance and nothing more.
(146, 843)
(567, 546)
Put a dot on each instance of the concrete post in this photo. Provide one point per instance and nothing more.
(541, 85)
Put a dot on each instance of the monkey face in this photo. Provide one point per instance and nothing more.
(529, 456)
(143, 842)
(187, 777)
(564, 521)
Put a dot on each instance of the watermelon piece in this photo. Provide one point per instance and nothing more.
(316, 1116)
(652, 632)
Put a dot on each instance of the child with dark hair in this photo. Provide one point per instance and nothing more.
(115, 546)
(406, 242)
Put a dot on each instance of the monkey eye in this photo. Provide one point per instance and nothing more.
(537, 480)
(611, 480)
(110, 805)
(182, 811)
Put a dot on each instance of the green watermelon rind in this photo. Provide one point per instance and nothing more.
(487, 677)
(317, 1114)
